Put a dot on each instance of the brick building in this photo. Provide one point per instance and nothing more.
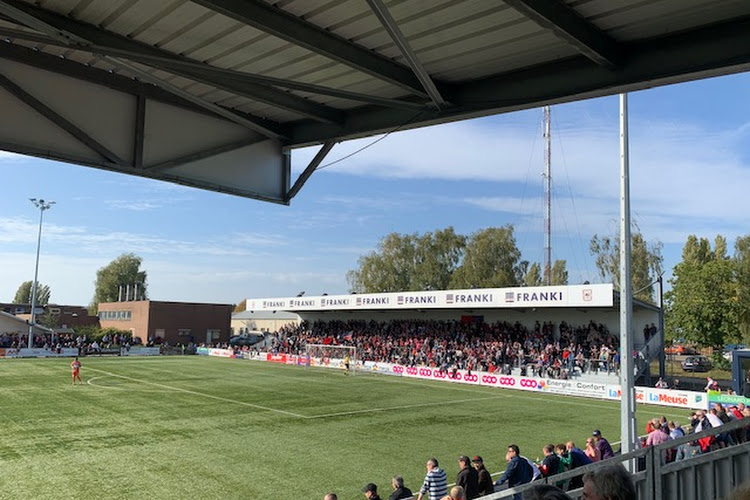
(173, 322)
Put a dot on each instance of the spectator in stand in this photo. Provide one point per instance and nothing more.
(435, 482)
(711, 385)
(675, 430)
(609, 482)
(741, 492)
(399, 490)
(331, 496)
(676, 384)
(592, 451)
(468, 478)
(485, 479)
(657, 436)
(517, 472)
(371, 492)
(603, 445)
(572, 457)
(551, 464)
(545, 492)
(661, 384)
(457, 493)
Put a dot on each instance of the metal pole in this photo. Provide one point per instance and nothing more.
(627, 406)
(662, 360)
(42, 206)
(547, 198)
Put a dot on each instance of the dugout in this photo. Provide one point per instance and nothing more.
(574, 304)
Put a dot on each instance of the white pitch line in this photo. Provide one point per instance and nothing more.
(196, 393)
(404, 407)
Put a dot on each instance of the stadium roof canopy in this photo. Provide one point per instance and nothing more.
(215, 93)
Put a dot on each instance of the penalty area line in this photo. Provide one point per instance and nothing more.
(196, 393)
(403, 407)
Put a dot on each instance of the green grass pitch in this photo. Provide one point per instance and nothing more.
(204, 428)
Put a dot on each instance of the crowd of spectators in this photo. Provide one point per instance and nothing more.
(546, 350)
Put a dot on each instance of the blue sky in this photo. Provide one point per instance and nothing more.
(690, 174)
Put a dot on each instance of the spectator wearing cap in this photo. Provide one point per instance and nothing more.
(467, 478)
(485, 479)
(517, 472)
(399, 490)
(603, 445)
(371, 491)
(435, 482)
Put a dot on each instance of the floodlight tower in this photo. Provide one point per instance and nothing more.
(42, 205)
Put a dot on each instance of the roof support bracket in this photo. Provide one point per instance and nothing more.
(319, 157)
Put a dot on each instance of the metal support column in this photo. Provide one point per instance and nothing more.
(627, 407)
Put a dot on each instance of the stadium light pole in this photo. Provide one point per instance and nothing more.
(42, 206)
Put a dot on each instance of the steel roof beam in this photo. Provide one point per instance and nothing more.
(208, 153)
(391, 26)
(79, 134)
(567, 24)
(714, 50)
(116, 82)
(95, 36)
(214, 72)
(269, 19)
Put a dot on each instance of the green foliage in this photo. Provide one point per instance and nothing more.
(24, 292)
(94, 332)
(719, 362)
(532, 275)
(645, 262)
(703, 305)
(49, 320)
(123, 271)
(742, 262)
(492, 260)
(408, 263)
(559, 273)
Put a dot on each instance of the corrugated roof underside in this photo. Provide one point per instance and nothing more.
(455, 41)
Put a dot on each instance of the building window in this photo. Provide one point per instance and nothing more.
(183, 332)
(215, 334)
(115, 315)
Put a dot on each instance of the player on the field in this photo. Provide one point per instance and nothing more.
(346, 364)
(76, 367)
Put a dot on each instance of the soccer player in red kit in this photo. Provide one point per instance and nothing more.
(76, 367)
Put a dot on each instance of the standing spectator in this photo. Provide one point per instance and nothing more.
(435, 482)
(551, 464)
(592, 451)
(485, 479)
(468, 478)
(371, 492)
(609, 482)
(656, 436)
(603, 445)
(517, 472)
(661, 384)
(711, 385)
(399, 490)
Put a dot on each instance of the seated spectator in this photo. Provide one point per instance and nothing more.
(609, 482)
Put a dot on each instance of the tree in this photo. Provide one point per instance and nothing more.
(645, 262)
(24, 292)
(559, 273)
(492, 260)
(742, 265)
(532, 275)
(703, 305)
(124, 271)
(408, 263)
(49, 320)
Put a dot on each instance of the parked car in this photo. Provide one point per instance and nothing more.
(246, 339)
(696, 364)
(680, 350)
